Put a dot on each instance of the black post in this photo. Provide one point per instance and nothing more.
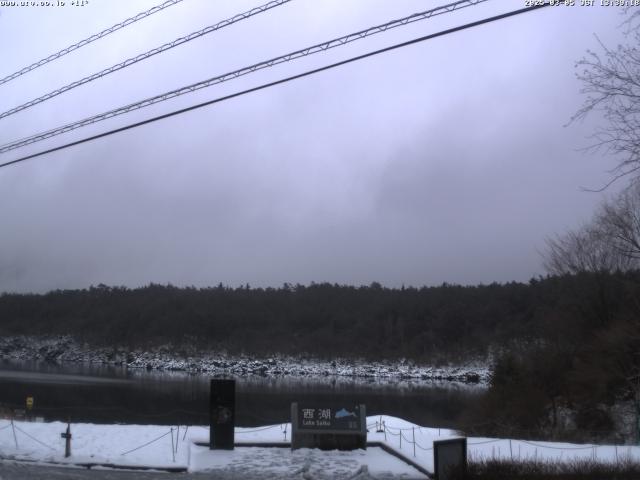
(222, 398)
(450, 458)
(67, 443)
(15, 438)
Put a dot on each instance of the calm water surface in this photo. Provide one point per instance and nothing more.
(111, 394)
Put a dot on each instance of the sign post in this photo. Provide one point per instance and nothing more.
(450, 458)
(222, 409)
(328, 427)
(67, 443)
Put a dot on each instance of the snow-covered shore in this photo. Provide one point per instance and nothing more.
(171, 447)
(66, 349)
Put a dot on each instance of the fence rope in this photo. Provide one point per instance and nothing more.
(148, 443)
(411, 442)
(403, 429)
(426, 449)
(555, 448)
(388, 429)
(485, 442)
(258, 429)
(6, 426)
(33, 438)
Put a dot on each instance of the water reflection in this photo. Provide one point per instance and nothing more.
(108, 394)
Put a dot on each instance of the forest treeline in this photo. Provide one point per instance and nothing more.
(423, 324)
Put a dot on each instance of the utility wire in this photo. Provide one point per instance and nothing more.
(87, 41)
(281, 81)
(143, 56)
(336, 42)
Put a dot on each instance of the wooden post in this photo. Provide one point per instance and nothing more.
(173, 451)
(15, 439)
(67, 443)
(511, 450)
(413, 431)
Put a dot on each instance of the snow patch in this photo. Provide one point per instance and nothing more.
(61, 349)
(162, 446)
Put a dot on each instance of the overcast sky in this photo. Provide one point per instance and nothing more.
(446, 161)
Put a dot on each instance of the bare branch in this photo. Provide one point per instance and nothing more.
(611, 82)
(610, 242)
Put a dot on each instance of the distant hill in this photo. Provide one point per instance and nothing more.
(423, 324)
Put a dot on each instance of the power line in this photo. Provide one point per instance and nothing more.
(143, 56)
(321, 47)
(281, 81)
(87, 41)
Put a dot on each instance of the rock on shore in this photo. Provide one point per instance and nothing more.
(61, 349)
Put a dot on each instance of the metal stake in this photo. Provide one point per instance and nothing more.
(15, 439)
(173, 452)
(413, 431)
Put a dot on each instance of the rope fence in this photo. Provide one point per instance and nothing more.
(485, 442)
(148, 443)
(382, 427)
(557, 448)
(259, 429)
(400, 432)
(32, 437)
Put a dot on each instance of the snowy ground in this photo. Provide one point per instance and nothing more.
(66, 349)
(161, 446)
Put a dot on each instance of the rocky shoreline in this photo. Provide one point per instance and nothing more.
(59, 349)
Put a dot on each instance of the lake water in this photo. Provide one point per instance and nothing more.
(111, 394)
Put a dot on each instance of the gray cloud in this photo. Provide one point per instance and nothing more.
(446, 161)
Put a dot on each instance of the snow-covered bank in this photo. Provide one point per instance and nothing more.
(162, 446)
(66, 349)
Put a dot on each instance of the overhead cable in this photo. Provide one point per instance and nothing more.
(143, 56)
(278, 82)
(321, 47)
(87, 41)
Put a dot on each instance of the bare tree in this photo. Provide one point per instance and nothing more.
(587, 249)
(609, 242)
(619, 221)
(611, 81)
